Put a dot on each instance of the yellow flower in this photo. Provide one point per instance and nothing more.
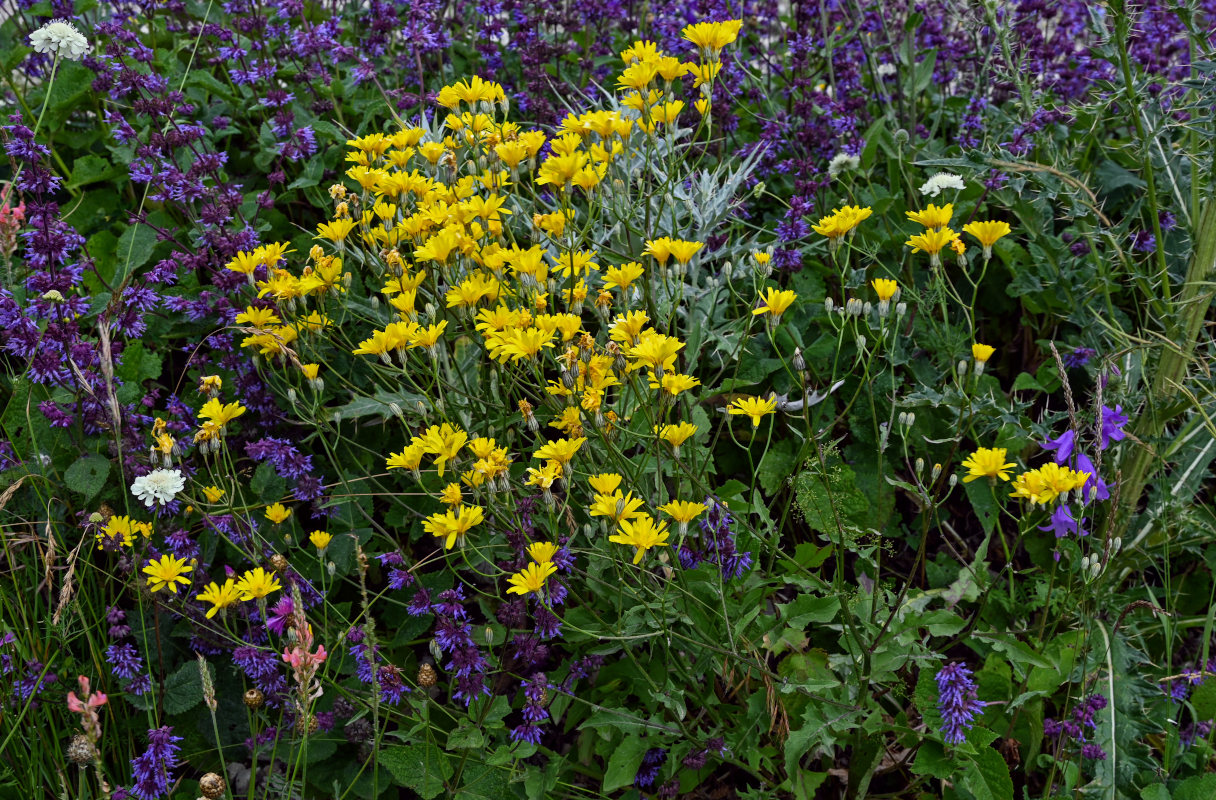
(335, 231)
(310, 371)
(451, 526)
(683, 512)
(258, 317)
(659, 249)
(884, 288)
(933, 217)
(655, 350)
(257, 583)
(244, 263)
(219, 413)
(443, 442)
(842, 221)
(624, 275)
(277, 513)
(676, 435)
(531, 579)
(544, 476)
(542, 552)
(616, 506)
(560, 450)
(410, 458)
(167, 572)
(219, 596)
(711, 37)
(213, 493)
(987, 232)
(931, 241)
(320, 539)
(982, 352)
(123, 529)
(673, 383)
(775, 302)
(210, 385)
(643, 534)
(753, 407)
(450, 496)
(683, 251)
(987, 463)
(605, 482)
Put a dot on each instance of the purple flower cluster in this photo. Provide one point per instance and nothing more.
(1074, 730)
(152, 769)
(123, 657)
(534, 712)
(957, 701)
(716, 543)
(454, 636)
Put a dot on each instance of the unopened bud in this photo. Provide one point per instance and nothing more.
(799, 363)
(937, 472)
(901, 309)
(920, 465)
(962, 368)
(828, 305)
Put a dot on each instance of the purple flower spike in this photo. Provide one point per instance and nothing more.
(958, 702)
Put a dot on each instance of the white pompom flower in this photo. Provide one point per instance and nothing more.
(60, 38)
(158, 486)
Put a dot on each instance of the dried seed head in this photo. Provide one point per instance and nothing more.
(254, 698)
(427, 676)
(212, 786)
(81, 750)
(278, 562)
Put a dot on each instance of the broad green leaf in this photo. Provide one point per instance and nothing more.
(88, 475)
(987, 776)
(623, 763)
(422, 767)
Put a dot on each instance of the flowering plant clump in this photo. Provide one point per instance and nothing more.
(540, 400)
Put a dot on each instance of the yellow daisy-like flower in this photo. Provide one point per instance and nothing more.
(753, 407)
(219, 413)
(531, 579)
(277, 513)
(655, 350)
(885, 288)
(644, 533)
(933, 217)
(257, 583)
(711, 37)
(258, 317)
(124, 529)
(616, 506)
(213, 493)
(605, 482)
(987, 232)
(982, 352)
(621, 277)
(987, 462)
(542, 552)
(167, 572)
(545, 476)
(676, 435)
(560, 450)
(450, 496)
(335, 231)
(775, 302)
(931, 241)
(674, 383)
(219, 596)
(683, 512)
(320, 539)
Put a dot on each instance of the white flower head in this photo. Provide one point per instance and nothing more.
(942, 180)
(842, 162)
(158, 486)
(60, 38)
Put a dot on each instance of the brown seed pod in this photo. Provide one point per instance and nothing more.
(212, 786)
(80, 750)
(309, 726)
(254, 698)
(427, 676)
(278, 562)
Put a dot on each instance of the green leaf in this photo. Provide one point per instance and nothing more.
(983, 501)
(987, 776)
(466, 737)
(422, 767)
(482, 782)
(88, 475)
(807, 609)
(623, 763)
(134, 249)
(777, 465)
(91, 169)
(1155, 792)
(1026, 382)
(1199, 787)
(380, 403)
(1204, 701)
(931, 760)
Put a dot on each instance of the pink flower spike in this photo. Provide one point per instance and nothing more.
(321, 655)
(74, 703)
(97, 699)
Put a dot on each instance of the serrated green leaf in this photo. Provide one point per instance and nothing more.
(987, 776)
(1204, 701)
(422, 767)
(88, 475)
(466, 737)
(623, 763)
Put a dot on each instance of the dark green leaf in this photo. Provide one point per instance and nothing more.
(422, 767)
(88, 475)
